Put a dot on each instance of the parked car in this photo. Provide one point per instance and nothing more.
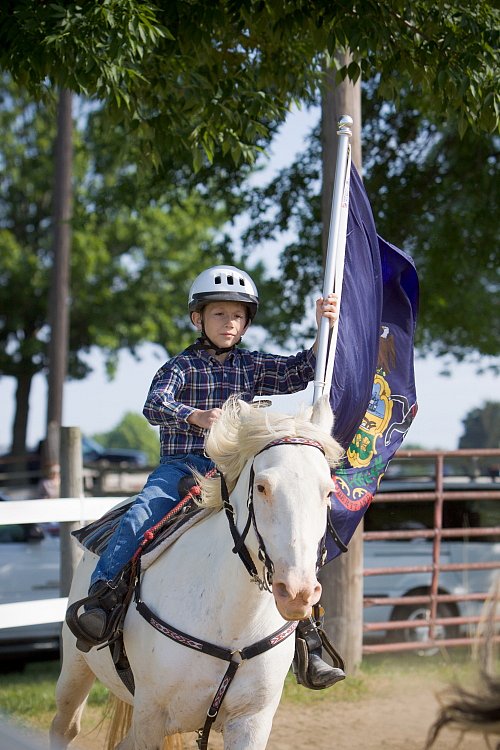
(29, 570)
(472, 512)
(94, 455)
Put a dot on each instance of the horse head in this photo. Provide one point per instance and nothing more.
(278, 473)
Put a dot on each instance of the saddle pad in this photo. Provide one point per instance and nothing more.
(96, 535)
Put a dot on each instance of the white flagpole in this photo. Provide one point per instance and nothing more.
(334, 255)
(339, 274)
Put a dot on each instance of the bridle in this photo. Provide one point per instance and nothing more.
(235, 658)
(265, 582)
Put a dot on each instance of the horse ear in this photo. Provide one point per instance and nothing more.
(242, 407)
(322, 414)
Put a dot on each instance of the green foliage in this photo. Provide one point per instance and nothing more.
(133, 431)
(482, 427)
(26, 202)
(432, 193)
(131, 267)
(209, 81)
(446, 188)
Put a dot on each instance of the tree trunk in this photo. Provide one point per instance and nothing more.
(342, 579)
(59, 293)
(20, 426)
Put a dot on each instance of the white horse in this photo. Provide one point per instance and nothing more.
(279, 465)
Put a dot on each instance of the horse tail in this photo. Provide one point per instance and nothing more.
(120, 721)
(478, 709)
(174, 742)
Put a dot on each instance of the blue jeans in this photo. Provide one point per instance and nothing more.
(156, 499)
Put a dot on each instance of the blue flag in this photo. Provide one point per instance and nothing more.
(373, 392)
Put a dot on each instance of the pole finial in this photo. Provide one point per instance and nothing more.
(344, 125)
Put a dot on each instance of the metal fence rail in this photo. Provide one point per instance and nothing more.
(428, 635)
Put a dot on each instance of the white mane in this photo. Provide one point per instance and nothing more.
(243, 430)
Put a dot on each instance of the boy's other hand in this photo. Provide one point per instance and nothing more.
(327, 308)
(204, 419)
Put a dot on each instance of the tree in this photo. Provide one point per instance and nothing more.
(213, 80)
(130, 271)
(482, 427)
(132, 431)
(415, 175)
(446, 188)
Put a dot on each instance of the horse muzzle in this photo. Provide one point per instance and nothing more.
(295, 602)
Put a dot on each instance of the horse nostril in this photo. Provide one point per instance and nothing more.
(280, 590)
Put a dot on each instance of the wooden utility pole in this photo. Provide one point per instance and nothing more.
(59, 291)
(342, 579)
(337, 100)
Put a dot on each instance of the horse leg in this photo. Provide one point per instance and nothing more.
(249, 732)
(148, 727)
(73, 687)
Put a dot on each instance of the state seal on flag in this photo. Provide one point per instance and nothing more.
(373, 425)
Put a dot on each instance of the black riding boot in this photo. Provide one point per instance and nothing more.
(102, 611)
(308, 665)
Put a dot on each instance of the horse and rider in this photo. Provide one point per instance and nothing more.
(185, 400)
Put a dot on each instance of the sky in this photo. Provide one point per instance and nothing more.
(97, 405)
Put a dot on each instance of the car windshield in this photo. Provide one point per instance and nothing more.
(91, 446)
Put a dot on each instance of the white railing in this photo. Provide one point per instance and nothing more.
(75, 510)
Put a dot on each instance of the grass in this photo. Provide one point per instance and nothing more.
(28, 696)
(379, 672)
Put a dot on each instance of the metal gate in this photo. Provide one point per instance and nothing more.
(428, 635)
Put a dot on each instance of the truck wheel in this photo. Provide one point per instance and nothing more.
(421, 634)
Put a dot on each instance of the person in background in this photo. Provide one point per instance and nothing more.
(49, 486)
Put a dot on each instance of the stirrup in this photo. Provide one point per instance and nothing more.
(113, 607)
(310, 639)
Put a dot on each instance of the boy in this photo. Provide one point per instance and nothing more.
(185, 399)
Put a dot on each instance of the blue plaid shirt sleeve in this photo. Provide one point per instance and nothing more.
(275, 374)
(161, 404)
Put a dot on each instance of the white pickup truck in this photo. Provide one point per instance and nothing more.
(29, 570)
(470, 512)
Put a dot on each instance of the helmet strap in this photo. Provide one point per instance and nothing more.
(205, 343)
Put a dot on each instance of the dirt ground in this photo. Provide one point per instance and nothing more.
(395, 715)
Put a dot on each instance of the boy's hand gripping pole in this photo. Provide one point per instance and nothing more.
(334, 266)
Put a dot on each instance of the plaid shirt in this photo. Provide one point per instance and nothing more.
(195, 379)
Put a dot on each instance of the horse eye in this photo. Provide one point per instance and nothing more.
(261, 489)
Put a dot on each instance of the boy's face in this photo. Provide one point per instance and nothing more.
(225, 322)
